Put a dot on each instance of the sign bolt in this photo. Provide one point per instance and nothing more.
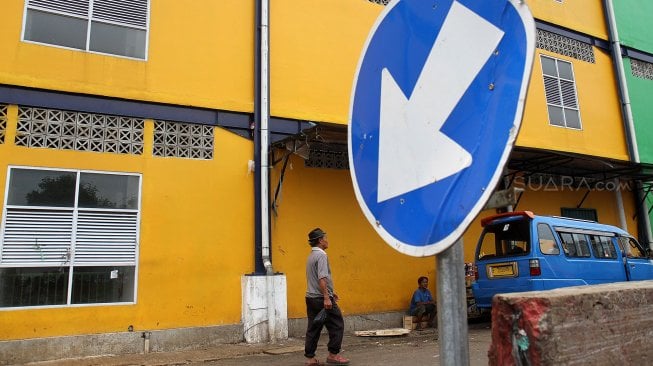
(491, 87)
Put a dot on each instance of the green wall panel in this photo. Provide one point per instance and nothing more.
(635, 23)
(641, 101)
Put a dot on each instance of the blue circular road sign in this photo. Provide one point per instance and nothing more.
(436, 106)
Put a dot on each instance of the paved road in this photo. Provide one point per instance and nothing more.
(418, 348)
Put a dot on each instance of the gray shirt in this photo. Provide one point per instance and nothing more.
(317, 267)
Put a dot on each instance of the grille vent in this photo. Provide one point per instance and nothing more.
(67, 130)
(641, 69)
(3, 122)
(565, 46)
(328, 158)
(183, 140)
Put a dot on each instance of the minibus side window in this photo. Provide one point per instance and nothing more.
(603, 247)
(574, 244)
(547, 241)
(630, 248)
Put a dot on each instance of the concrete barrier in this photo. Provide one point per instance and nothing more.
(609, 324)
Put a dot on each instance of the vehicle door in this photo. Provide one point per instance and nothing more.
(609, 266)
(578, 267)
(638, 265)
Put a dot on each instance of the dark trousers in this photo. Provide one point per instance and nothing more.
(428, 309)
(334, 323)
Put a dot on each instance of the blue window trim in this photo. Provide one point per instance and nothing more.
(636, 54)
(237, 122)
(600, 43)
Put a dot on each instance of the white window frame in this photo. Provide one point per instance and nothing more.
(89, 18)
(560, 93)
(71, 259)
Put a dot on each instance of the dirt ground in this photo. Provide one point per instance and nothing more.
(416, 348)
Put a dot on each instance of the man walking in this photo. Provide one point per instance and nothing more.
(320, 295)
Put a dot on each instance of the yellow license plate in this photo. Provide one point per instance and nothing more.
(507, 270)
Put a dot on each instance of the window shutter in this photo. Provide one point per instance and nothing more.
(33, 237)
(568, 94)
(106, 237)
(130, 12)
(552, 91)
(75, 7)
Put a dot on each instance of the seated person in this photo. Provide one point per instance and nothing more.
(422, 303)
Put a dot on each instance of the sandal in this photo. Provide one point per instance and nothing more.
(337, 360)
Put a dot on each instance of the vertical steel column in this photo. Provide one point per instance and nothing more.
(620, 204)
(452, 307)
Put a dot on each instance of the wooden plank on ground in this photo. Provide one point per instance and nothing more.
(393, 332)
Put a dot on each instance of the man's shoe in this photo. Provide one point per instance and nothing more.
(337, 360)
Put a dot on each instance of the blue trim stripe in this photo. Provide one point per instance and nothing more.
(237, 122)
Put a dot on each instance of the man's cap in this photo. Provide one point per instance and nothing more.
(316, 234)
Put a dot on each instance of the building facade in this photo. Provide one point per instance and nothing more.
(127, 149)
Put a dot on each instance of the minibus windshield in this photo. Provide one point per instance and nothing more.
(505, 239)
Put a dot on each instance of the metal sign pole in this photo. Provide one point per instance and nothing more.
(452, 307)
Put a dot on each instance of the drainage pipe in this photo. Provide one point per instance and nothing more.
(622, 84)
(263, 97)
(261, 157)
(631, 137)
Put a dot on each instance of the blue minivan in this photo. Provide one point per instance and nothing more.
(520, 251)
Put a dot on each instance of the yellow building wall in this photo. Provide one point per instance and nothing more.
(316, 46)
(602, 132)
(582, 16)
(204, 58)
(196, 239)
(547, 199)
(369, 275)
(196, 228)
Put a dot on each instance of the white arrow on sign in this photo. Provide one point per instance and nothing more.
(413, 152)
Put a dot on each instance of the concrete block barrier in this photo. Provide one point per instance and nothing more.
(609, 324)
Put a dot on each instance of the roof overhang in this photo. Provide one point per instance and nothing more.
(531, 161)
(332, 138)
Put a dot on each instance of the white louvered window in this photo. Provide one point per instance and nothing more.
(560, 93)
(116, 27)
(69, 237)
